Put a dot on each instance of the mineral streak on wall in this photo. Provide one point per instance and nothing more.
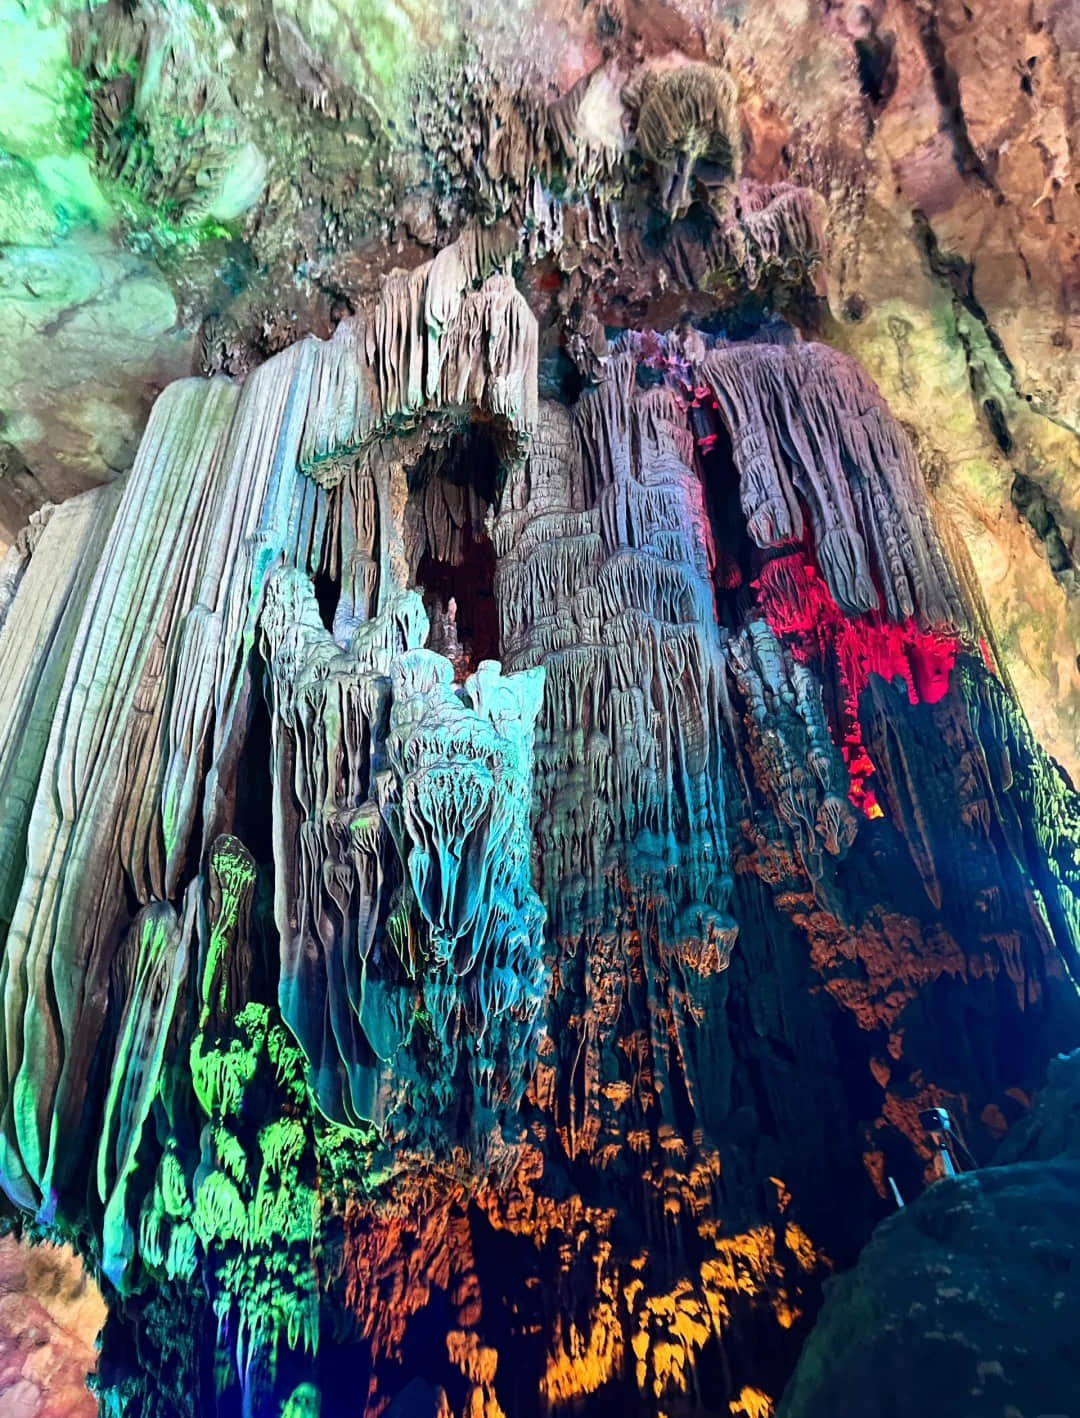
(390, 1021)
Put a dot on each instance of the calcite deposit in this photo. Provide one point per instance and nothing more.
(518, 798)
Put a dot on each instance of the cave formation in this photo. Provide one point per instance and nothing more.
(512, 808)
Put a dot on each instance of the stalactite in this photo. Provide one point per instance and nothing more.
(329, 718)
(614, 600)
(808, 427)
(359, 970)
(463, 766)
(432, 343)
(686, 114)
(770, 228)
(585, 128)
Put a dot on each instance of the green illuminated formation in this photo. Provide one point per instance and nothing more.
(151, 984)
(509, 814)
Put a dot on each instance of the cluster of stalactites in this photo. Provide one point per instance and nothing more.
(602, 578)
(334, 862)
(131, 681)
(809, 429)
(675, 113)
(446, 335)
(519, 151)
(547, 550)
(682, 118)
(402, 845)
(769, 227)
(145, 656)
(762, 233)
(794, 765)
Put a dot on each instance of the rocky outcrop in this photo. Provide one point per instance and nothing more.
(381, 951)
(961, 1302)
(50, 1315)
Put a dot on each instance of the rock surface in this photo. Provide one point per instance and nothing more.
(50, 1318)
(962, 1304)
(941, 137)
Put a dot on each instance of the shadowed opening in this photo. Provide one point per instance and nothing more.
(449, 501)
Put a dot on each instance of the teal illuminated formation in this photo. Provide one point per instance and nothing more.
(509, 818)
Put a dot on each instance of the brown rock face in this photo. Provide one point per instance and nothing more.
(959, 287)
(50, 1316)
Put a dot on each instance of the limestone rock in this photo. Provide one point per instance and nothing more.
(50, 1315)
(960, 1303)
(515, 791)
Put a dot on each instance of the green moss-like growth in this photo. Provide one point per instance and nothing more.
(167, 142)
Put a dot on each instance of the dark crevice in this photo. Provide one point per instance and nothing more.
(1032, 504)
(327, 591)
(458, 586)
(875, 55)
(465, 594)
(735, 556)
(558, 377)
(947, 89)
(995, 417)
(959, 275)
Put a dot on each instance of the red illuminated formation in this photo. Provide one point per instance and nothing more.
(799, 606)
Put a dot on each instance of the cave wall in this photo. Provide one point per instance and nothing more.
(939, 138)
(519, 792)
(341, 965)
